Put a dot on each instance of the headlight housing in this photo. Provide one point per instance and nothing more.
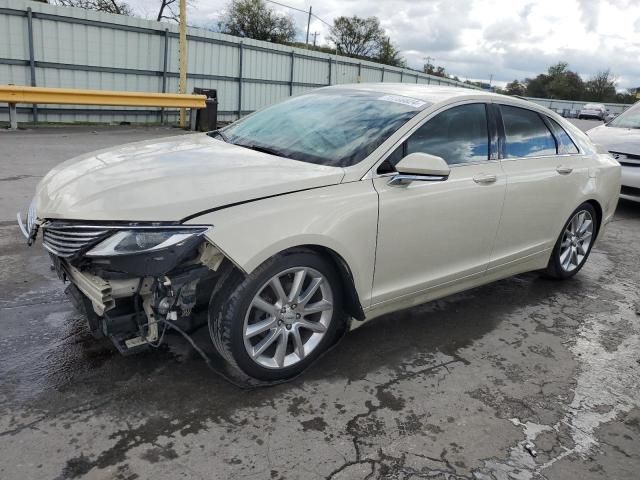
(130, 242)
(143, 252)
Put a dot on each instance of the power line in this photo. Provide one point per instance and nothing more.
(300, 10)
(287, 6)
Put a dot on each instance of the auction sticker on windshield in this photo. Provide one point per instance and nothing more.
(411, 102)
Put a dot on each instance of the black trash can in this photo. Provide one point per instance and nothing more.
(207, 118)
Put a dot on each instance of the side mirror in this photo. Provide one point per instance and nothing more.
(420, 167)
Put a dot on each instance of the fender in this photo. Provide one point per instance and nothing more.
(342, 218)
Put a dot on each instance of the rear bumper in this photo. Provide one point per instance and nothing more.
(589, 114)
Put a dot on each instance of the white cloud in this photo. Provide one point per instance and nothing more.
(475, 38)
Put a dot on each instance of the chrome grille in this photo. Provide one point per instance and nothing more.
(627, 159)
(66, 240)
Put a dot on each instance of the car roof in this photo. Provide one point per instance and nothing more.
(428, 93)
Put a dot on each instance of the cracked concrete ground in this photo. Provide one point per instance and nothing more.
(463, 388)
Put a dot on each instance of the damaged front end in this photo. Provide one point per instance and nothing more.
(131, 279)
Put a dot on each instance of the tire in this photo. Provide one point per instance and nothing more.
(240, 330)
(574, 243)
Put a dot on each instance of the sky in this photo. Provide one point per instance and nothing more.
(480, 39)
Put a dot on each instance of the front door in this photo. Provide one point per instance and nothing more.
(431, 233)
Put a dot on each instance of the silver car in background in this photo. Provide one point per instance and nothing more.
(621, 137)
(593, 110)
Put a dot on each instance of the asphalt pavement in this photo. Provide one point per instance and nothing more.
(526, 378)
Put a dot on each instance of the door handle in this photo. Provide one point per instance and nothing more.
(484, 179)
(564, 170)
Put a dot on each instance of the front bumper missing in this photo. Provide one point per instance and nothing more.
(29, 233)
(130, 310)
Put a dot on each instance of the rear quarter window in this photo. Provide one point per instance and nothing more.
(565, 144)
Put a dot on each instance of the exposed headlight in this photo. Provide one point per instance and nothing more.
(32, 220)
(32, 215)
(130, 242)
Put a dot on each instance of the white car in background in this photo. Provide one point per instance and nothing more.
(305, 219)
(621, 137)
(593, 110)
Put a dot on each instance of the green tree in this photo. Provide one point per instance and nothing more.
(356, 36)
(389, 54)
(515, 88)
(434, 70)
(254, 19)
(563, 83)
(559, 82)
(537, 87)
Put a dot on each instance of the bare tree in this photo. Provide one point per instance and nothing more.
(601, 87)
(108, 6)
(356, 36)
(254, 19)
(170, 10)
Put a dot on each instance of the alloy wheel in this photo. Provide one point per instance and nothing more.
(288, 317)
(576, 240)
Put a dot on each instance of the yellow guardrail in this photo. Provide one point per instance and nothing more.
(14, 94)
(72, 96)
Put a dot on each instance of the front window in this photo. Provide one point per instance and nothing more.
(627, 119)
(458, 135)
(335, 127)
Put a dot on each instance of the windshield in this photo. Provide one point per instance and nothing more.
(593, 106)
(627, 119)
(335, 127)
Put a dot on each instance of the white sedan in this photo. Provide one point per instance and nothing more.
(593, 110)
(621, 137)
(310, 217)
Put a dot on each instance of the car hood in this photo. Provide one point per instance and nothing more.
(622, 140)
(170, 179)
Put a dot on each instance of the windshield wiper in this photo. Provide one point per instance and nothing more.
(258, 148)
(219, 133)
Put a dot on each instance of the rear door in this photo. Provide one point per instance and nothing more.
(544, 173)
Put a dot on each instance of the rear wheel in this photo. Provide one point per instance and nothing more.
(271, 324)
(574, 244)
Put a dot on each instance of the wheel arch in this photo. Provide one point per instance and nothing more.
(598, 208)
(352, 303)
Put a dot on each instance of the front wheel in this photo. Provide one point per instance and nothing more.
(574, 244)
(272, 324)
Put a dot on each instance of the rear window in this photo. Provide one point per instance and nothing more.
(526, 133)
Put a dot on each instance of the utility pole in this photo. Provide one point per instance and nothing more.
(315, 35)
(490, 79)
(308, 23)
(182, 55)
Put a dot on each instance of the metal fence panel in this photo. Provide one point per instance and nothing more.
(85, 49)
(574, 105)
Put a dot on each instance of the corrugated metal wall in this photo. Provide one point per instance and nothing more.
(574, 106)
(77, 48)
